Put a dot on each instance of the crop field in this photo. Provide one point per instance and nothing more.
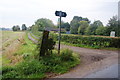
(10, 42)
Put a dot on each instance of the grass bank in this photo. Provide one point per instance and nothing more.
(31, 67)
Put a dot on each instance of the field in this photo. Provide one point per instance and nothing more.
(10, 43)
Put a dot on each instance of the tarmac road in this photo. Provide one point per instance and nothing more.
(109, 72)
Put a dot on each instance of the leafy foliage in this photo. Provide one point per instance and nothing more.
(82, 27)
(66, 26)
(100, 30)
(91, 30)
(113, 25)
(24, 27)
(31, 67)
(66, 55)
(16, 28)
(43, 23)
(94, 42)
(75, 23)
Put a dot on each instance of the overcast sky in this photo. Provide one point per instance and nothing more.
(18, 12)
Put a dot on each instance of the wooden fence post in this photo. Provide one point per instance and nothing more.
(44, 43)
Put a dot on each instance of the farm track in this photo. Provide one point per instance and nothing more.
(92, 60)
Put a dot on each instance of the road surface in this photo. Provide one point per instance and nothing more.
(110, 72)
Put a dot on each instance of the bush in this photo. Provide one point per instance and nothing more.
(31, 67)
(66, 55)
(6, 69)
(11, 74)
(50, 61)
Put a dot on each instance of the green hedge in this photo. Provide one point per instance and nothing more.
(100, 42)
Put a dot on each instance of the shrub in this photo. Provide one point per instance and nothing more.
(31, 67)
(6, 69)
(66, 55)
(11, 74)
(50, 61)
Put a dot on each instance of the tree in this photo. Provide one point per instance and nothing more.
(67, 26)
(75, 23)
(16, 28)
(113, 25)
(91, 30)
(24, 27)
(62, 24)
(42, 23)
(101, 30)
(82, 27)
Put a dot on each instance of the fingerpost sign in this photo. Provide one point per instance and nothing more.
(60, 14)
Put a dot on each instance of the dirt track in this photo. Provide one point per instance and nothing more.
(92, 60)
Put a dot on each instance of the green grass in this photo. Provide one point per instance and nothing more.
(8, 37)
(5, 60)
(34, 37)
(34, 68)
(31, 67)
(86, 46)
(78, 45)
(27, 48)
(37, 33)
(91, 47)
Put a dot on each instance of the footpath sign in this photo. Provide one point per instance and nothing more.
(60, 14)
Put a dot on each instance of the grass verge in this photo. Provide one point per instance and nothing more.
(31, 67)
(27, 48)
(86, 46)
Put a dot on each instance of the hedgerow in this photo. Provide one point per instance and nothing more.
(95, 42)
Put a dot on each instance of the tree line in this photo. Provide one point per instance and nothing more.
(83, 26)
(80, 25)
(17, 27)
